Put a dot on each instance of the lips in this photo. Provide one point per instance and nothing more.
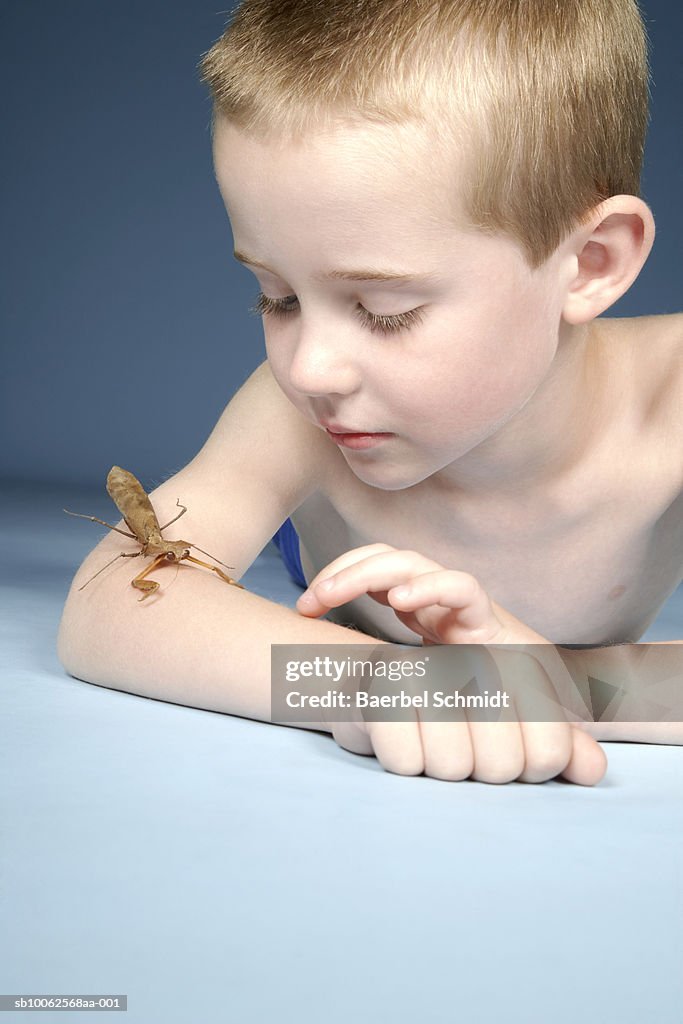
(358, 440)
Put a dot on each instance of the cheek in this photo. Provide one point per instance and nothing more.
(279, 360)
(481, 373)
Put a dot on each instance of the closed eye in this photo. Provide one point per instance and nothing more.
(375, 323)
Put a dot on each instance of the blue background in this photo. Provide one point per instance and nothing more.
(124, 317)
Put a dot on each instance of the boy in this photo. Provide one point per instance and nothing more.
(438, 200)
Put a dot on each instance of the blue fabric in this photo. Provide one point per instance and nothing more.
(286, 540)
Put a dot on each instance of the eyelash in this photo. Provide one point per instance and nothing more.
(375, 323)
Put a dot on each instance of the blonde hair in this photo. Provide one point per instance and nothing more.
(547, 100)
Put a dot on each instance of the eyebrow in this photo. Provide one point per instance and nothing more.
(364, 274)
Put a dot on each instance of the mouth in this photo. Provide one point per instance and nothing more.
(355, 439)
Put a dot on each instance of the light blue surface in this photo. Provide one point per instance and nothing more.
(219, 869)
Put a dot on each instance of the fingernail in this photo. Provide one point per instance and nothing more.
(401, 592)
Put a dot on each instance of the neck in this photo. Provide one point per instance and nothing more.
(550, 435)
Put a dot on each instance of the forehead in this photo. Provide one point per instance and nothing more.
(362, 172)
(356, 196)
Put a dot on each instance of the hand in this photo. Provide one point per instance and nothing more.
(492, 752)
(443, 606)
(450, 607)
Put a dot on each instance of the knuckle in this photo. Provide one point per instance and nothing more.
(471, 584)
(409, 553)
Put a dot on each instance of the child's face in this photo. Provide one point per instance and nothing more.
(371, 197)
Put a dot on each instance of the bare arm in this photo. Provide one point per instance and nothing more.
(630, 682)
(198, 641)
(202, 643)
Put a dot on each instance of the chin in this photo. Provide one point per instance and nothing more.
(390, 478)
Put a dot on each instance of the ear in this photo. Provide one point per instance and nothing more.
(606, 255)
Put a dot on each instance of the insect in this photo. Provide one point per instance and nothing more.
(133, 503)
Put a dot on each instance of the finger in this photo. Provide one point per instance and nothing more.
(496, 739)
(588, 762)
(422, 629)
(397, 746)
(352, 736)
(550, 743)
(374, 573)
(460, 592)
(545, 732)
(308, 603)
(350, 558)
(548, 748)
(447, 749)
(498, 751)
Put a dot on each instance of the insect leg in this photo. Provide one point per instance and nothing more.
(181, 513)
(214, 568)
(123, 554)
(94, 519)
(149, 586)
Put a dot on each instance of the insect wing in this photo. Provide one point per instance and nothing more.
(130, 498)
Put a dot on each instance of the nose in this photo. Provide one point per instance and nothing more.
(324, 364)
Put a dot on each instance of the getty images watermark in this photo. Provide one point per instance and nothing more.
(476, 682)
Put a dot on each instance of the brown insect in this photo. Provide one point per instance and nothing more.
(134, 505)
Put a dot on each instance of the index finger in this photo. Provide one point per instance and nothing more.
(372, 573)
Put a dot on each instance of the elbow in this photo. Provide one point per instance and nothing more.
(75, 636)
(67, 639)
(82, 627)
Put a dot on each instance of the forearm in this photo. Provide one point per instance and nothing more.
(198, 642)
(636, 690)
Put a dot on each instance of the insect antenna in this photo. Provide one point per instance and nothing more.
(177, 570)
(211, 556)
(122, 554)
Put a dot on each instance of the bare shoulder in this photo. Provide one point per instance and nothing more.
(665, 329)
(653, 346)
(646, 375)
(658, 342)
(663, 343)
